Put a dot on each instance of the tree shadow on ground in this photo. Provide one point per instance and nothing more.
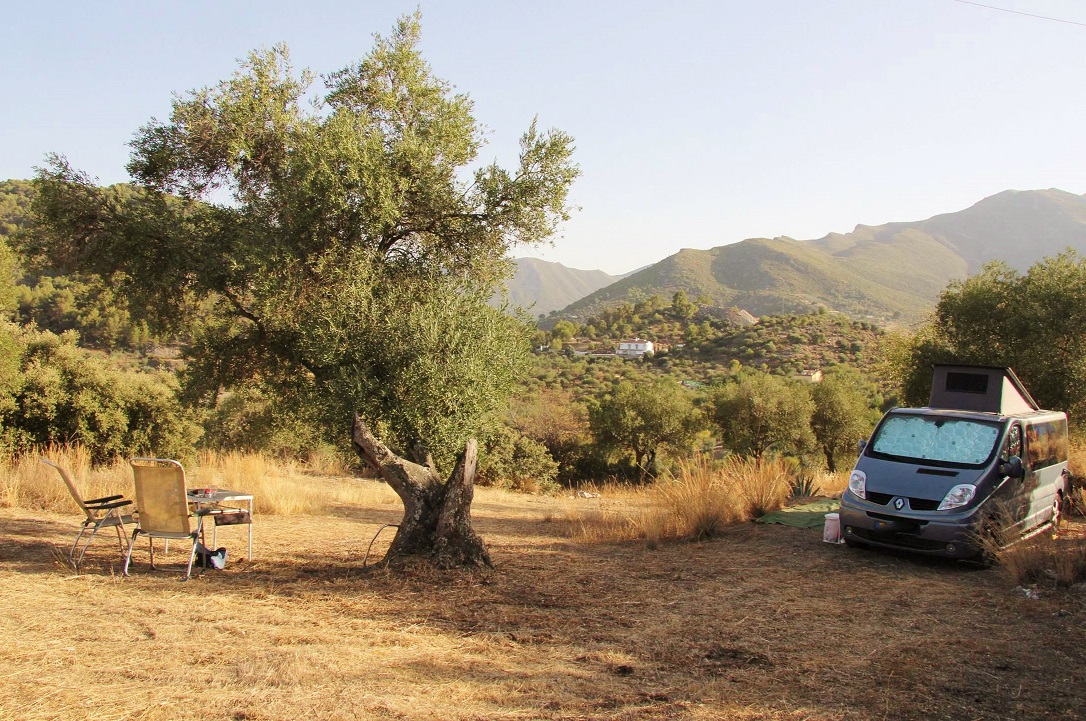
(30, 545)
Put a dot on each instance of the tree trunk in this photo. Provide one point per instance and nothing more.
(436, 515)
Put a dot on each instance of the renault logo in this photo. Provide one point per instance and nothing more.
(899, 503)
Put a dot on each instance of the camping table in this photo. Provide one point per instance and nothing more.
(217, 498)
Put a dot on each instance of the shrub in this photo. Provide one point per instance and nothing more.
(510, 460)
(255, 419)
(67, 395)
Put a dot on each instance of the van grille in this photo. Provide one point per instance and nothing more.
(900, 540)
(916, 504)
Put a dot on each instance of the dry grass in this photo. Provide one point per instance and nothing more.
(762, 622)
(697, 503)
(27, 483)
(279, 489)
(831, 484)
(1048, 558)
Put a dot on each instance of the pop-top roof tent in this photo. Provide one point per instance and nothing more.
(979, 388)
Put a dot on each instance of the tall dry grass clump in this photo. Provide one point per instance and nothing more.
(26, 482)
(278, 488)
(698, 501)
(763, 485)
(830, 484)
(1045, 558)
(695, 503)
(285, 489)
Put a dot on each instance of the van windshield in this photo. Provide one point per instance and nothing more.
(956, 441)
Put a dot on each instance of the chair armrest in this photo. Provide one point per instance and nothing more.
(107, 499)
(108, 506)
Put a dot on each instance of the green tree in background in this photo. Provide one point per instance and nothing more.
(342, 255)
(61, 394)
(681, 307)
(11, 375)
(1033, 322)
(759, 412)
(511, 460)
(558, 422)
(643, 417)
(842, 414)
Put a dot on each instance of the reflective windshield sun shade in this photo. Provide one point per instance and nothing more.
(941, 440)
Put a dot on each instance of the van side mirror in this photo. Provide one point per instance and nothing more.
(1012, 468)
(861, 445)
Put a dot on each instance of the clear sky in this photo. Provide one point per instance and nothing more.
(697, 122)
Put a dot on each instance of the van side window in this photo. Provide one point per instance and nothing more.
(1013, 446)
(1046, 443)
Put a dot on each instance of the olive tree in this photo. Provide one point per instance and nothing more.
(758, 412)
(338, 246)
(842, 413)
(644, 416)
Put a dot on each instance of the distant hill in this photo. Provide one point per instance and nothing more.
(547, 286)
(891, 271)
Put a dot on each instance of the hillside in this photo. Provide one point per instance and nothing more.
(891, 271)
(542, 286)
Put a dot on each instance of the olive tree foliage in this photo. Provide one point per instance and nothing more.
(342, 246)
(338, 246)
(1033, 322)
(758, 412)
(642, 417)
(842, 414)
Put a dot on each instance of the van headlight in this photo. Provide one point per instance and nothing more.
(857, 483)
(958, 496)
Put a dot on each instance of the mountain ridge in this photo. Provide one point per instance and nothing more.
(543, 286)
(888, 272)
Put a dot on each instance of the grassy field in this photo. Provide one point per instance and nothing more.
(759, 622)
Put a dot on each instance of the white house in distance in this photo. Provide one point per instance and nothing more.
(634, 348)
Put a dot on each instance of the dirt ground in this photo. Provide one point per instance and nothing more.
(766, 622)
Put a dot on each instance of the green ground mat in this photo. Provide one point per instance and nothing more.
(807, 515)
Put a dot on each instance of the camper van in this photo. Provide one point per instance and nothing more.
(982, 460)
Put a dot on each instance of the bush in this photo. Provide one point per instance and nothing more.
(68, 395)
(510, 460)
(253, 419)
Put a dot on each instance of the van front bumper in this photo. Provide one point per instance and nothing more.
(937, 533)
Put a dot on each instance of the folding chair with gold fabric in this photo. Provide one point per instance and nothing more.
(164, 508)
(100, 513)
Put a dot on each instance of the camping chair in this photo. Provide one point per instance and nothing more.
(101, 513)
(164, 507)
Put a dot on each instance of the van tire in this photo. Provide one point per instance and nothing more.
(853, 543)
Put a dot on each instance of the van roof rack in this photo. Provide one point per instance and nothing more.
(987, 389)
